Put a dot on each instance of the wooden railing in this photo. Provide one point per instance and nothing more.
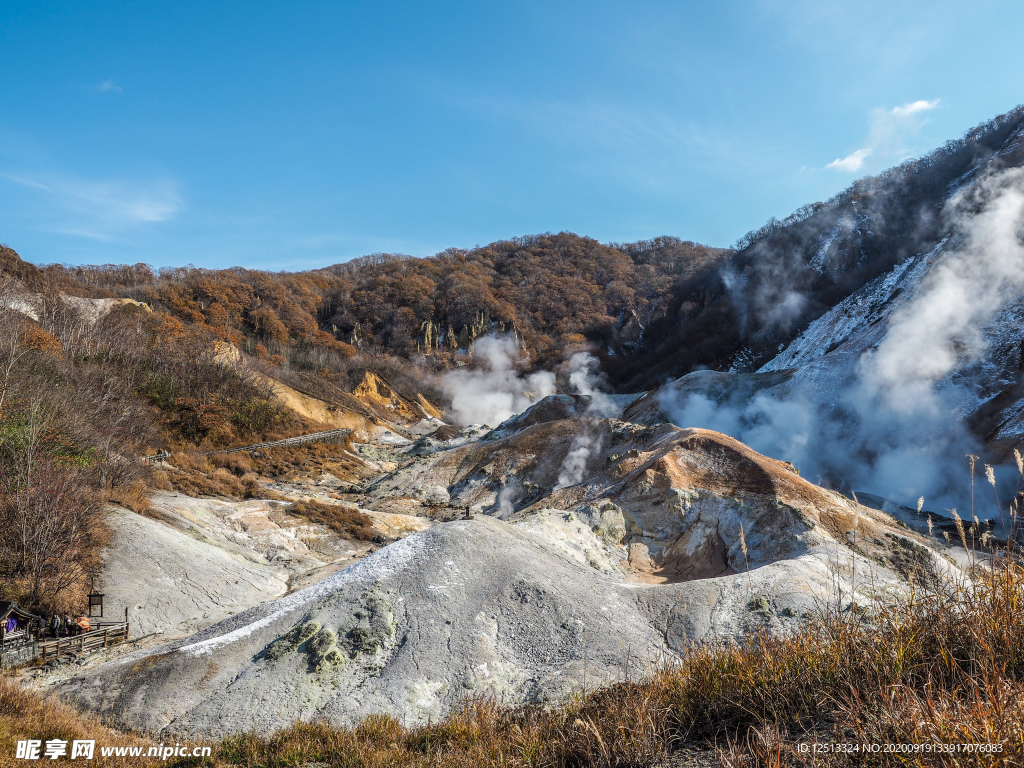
(310, 438)
(100, 636)
(13, 637)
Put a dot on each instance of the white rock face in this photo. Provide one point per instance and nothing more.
(675, 536)
(433, 495)
(174, 583)
(467, 607)
(526, 609)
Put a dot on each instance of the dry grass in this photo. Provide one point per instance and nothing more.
(25, 715)
(200, 475)
(311, 459)
(134, 495)
(942, 667)
(236, 475)
(344, 520)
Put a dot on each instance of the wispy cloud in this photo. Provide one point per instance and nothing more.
(102, 209)
(644, 147)
(852, 162)
(108, 86)
(914, 107)
(890, 139)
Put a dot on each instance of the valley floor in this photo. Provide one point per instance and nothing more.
(942, 671)
(446, 600)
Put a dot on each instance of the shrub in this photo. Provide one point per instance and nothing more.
(134, 495)
(238, 463)
(345, 520)
(254, 416)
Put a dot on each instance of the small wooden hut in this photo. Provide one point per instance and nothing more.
(17, 625)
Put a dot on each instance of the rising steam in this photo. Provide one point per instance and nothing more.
(494, 391)
(584, 380)
(894, 426)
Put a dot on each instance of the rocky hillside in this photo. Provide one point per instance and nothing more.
(871, 343)
(527, 588)
(912, 360)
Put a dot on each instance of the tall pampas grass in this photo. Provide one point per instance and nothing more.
(990, 475)
(743, 548)
(971, 458)
(920, 506)
(960, 528)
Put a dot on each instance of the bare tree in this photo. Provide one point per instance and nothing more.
(48, 513)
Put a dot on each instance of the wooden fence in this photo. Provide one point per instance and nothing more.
(100, 636)
(310, 438)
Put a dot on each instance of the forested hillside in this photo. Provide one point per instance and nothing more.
(551, 290)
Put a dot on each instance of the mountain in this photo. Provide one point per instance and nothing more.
(552, 534)
(788, 273)
(874, 341)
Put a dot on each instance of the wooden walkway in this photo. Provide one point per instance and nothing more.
(100, 636)
(313, 437)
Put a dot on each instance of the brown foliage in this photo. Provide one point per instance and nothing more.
(345, 520)
(546, 287)
(134, 496)
(197, 475)
(309, 459)
(50, 529)
(239, 463)
(36, 338)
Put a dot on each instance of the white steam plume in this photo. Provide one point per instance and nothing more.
(584, 380)
(574, 466)
(895, 428)
(939, 329)
(506, 499)
(495, 391)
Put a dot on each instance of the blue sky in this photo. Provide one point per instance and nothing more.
(300, 134)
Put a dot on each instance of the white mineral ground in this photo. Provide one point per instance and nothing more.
(270, 618)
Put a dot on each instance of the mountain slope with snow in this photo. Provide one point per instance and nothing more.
(889, 389)
(788, 274)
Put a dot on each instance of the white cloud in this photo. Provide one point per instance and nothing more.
(852, 162)
(893, 137)
(108, 86)
(100, 208)
(914, 107)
